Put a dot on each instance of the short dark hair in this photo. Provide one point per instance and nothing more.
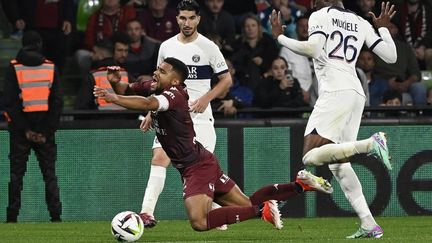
(105, 45)
(179, 67)
(391, 94)
(32, 38)
(120, 37)
(188, 5)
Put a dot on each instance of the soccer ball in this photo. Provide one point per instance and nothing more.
(127, 226)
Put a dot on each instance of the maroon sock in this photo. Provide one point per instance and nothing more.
(230, 215)
(279, 192)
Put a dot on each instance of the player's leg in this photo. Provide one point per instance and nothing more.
(155, 184)
(206, 135)
(324, 130)
(202, 181)
(343, 133)
(352, 189)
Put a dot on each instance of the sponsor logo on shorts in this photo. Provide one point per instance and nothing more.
(211, 187)
(224, 178)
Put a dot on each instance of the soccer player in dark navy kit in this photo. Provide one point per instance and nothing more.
(203, 179)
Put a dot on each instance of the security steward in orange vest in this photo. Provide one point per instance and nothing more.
(102, 57)
(33, 108)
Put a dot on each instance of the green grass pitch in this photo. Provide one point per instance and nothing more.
(396, 229)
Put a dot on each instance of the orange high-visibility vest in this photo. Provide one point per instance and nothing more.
(35, 83)
(100, 77)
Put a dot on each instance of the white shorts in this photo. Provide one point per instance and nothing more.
(205, 134)
(337, 115)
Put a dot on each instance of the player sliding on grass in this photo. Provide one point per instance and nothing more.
(203, 179)
(335, 38)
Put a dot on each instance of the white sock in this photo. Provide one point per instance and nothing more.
(335, 152)
(215, 205)
(155, 185)
(352, 188)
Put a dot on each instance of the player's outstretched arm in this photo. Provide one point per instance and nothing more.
(311, 48)
(386, 48)
(130, 102)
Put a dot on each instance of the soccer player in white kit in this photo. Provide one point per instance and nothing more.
(336, 36)
(203, 59)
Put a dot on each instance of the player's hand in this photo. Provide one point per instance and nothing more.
(146, 123)
(20, 24)
(103, 93)
(387, 13)
(276, 23)
(113, 74)
(199, 105)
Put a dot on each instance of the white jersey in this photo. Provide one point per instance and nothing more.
(203, 59)
(345, 33)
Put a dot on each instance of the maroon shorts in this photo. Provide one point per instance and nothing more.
(205, 177)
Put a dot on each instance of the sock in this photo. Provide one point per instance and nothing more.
(335, 152)
(155, 185)
(231, 215)
(278, 192)
(352, 188)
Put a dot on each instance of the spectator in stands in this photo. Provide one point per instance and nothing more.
(110, 18)
(302, 5)
(159, 21)
(239, 10)
(377, 85)
(403, 75)
(238, 96)
(391, 98)
(301, 66)
(429, 97)
(105, 53)
(218, 25)
(51, 19)
(101, 25)
(33, 107)
(143, 52)
(254, 52)
(280, 89)
(288, 18)
(121, 48)
(414, 21)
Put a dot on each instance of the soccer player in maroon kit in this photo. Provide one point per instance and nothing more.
(203, 179)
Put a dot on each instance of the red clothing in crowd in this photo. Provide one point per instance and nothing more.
(160, 28)
(101, 26)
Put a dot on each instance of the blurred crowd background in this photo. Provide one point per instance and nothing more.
(81, 35)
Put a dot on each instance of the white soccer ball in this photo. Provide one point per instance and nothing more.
(127, 226)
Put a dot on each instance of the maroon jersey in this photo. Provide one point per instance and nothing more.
(174, 130)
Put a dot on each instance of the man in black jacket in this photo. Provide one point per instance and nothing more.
(52, 19)
(33, 108)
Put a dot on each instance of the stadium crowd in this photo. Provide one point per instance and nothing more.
(82, 36)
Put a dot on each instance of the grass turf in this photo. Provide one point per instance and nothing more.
(396, 229)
